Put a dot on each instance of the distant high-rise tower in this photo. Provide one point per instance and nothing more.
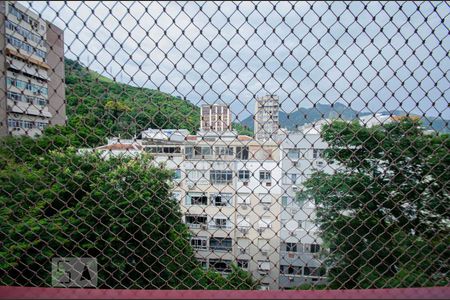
(266, 117)
(32, 83)
(215, 117)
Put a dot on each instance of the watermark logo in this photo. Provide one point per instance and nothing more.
(74, 272)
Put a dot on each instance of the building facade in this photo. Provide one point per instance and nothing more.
(301, 253)
(33, 82)
(215, 117)
(228, 189)
(266, 123)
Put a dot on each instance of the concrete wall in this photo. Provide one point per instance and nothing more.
(56, 85)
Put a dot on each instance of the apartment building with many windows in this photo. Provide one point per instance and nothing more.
(32, 84)
(300, 245)
(215, 117)
(266, 122)
(228, 187)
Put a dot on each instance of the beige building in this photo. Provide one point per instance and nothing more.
(215, 117)
(266, 124)
(229, 190)
(32, 83)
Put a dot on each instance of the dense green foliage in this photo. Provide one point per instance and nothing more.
(98, 107)
(62, 204)
(384, 213)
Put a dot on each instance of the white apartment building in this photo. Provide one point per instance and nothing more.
(300, 244)
(229, 191)
(266, 123)
(32, 64)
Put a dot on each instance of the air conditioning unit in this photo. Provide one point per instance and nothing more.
(242, 250)
(245, 183)
(295, 188)
(243, 230)
(266, 208)
(261, 230)
(190, 185)
(291, 278)
(265, 253)
(244, 207)
(204, 226)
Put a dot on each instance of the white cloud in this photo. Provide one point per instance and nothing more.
(304, 52)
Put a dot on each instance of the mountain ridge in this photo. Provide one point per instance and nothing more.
(319, 111)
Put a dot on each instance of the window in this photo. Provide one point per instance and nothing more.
(294, 177)
(264, 176)
(177, 174)
(202, 151)
(290, 270)
(244, 175)
(243, 198)
(221, 244)
(242, 152)
(242, 263)
(24, 32)
(196, 199)
(291, 247)
(195, 221)
(222, 151)
(284, 200)
(199, 243)
(315, 248)
(25, 46)
(221, 199)
(221, 176)
(26, 86)
(189, 152)
(293, 154)
(307, 271)
(317, 153)
(195, 175)
(220, 265)
(220, 223)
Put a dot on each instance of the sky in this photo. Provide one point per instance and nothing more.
(371, 56)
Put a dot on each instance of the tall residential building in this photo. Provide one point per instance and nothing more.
(266, 117)
(215, 117)
(229, 193)
(301, 258)
(32, 84)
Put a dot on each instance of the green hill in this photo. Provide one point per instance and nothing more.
(98, 107)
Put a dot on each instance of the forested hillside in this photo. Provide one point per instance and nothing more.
(98, 107)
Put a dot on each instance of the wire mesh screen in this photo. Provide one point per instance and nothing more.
(225, 145)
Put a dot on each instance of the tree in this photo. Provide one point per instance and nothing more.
(384, 213)
(118, 210)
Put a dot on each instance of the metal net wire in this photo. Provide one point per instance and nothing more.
(225, 145)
